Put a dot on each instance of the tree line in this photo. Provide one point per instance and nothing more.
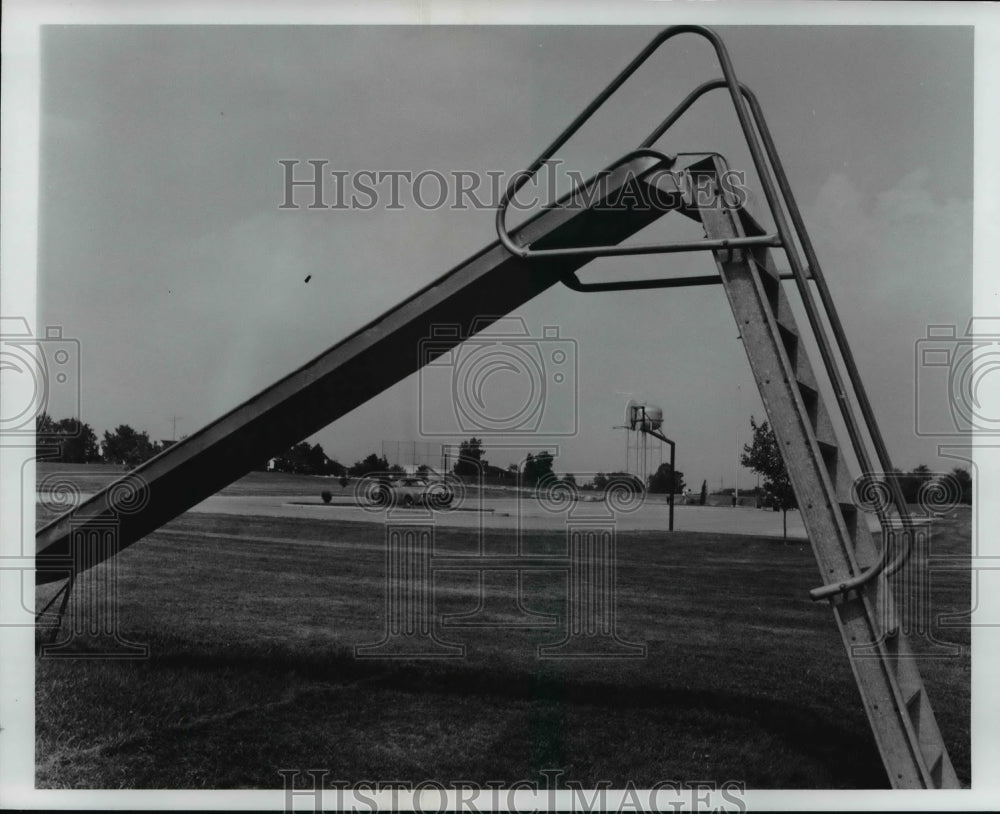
(537, 469)
(70, 441)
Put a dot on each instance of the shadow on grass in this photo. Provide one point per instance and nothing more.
(687, 713)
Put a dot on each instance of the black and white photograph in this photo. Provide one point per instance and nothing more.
(492, 407)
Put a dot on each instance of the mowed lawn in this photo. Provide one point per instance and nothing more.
(252, 625)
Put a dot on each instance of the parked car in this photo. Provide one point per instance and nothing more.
(411, 491)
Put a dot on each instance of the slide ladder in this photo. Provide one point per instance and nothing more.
(856, 571)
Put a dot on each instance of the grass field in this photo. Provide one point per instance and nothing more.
(252, 623)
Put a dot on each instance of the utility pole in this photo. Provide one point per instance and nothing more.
(739, 412)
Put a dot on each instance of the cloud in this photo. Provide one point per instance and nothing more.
(900, 251)
(897, 261)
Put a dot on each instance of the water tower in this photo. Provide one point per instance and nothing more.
(644, 442)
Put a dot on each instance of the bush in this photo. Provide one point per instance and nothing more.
(326, 495)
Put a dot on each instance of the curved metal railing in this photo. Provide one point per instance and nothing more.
(779, 196)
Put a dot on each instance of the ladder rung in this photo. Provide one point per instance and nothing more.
(937, 769)
(772, 286)
(790, 339)
(857, 529)
(750, 224)
(831, 458)
(850, 514)
(810, 398)
(824, 427)
(803, 370)
(783, 314)
(828, 449)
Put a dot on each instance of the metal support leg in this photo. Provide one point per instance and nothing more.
(64, 592)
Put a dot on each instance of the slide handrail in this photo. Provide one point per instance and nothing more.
(777, 192)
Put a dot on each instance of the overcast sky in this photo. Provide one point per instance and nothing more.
(163, 249)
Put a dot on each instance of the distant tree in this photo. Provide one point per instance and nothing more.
(964, 480)
(44, 429)
(470, 456)
(703, 497)
(662, 481)
(77, 441)
(904, 481)
(373, 463)
(911, 482)
(763, 456)
(316, 460)
(79, 446)
(423, 470)
(295, 459)
(537, 467)
(305, 459)
(917, 478)
(569, 478)
(127, 446)
(600, 481)
(633, 481)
